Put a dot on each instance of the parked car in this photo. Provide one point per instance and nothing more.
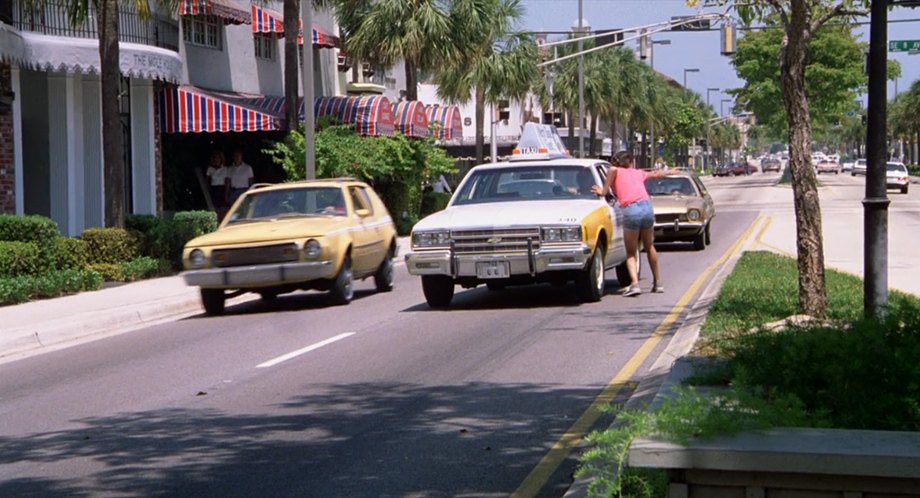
(859, 168)
(742, 168)
(897, 176)
(722, 170)
(771, 164)
(828, 166)
(528, 220)
(683, 209)
(847, 165)
(317, 234)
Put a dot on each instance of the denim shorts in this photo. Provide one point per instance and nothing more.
(638, 215)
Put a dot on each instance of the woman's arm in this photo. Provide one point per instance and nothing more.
(608, 185)
(661, 173)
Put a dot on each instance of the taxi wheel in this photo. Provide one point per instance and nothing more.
(438, 290)
(590, 282)
(383, 279)
(213, 301)
(343, 288)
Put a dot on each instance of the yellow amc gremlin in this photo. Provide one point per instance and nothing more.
(318, 234)
(529, 220)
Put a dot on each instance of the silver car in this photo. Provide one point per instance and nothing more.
(897, 176)
(859, 168)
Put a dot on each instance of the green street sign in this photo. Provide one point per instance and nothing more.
(903, 45)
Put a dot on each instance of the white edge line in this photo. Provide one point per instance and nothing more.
(294, 354)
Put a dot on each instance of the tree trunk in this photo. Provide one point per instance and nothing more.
(809, 239)
(291, 63)
(592, 147)
(411, 80)
(480, 123)
(573, 142)
(113, 159)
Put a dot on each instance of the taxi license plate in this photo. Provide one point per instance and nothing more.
(493, 269)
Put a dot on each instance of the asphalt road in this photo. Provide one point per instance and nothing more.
(383, 397)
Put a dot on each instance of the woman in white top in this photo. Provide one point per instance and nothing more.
(218, 179)
(240, 174)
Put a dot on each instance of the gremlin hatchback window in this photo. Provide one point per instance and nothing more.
(522, 183)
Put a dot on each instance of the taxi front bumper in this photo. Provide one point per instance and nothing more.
(238, 277)
(531, 262)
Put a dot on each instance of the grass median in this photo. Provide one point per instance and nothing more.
(842, 371)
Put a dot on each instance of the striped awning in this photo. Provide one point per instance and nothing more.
(410, 118)
(371, 115)
(188, 109)
(448, 124)
(268, 21)
(227, 10)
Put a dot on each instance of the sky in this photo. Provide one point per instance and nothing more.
(693, 50)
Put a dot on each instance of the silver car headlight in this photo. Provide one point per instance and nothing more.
(312, 249)
(439, 238)
(694, 215)
(196, 258)
(561, 234)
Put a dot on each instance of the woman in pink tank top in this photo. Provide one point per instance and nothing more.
(628, 185)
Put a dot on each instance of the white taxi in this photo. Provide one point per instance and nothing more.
(528, 220)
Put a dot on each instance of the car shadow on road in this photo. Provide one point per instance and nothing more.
(294, 302)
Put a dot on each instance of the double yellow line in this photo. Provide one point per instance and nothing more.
(548, 465)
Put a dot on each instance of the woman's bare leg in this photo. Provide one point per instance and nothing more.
(631, 238)
(648, 241)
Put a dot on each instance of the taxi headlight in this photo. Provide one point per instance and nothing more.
(694, 215)
(312, 249)
(438, 238)
(561, 234)
(196, 258)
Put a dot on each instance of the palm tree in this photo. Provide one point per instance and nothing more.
(291, 90)
(385, 32)
(488, 58)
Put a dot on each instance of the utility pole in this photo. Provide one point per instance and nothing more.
(651, 127)
(306, 74)
(875, 204)
(708, 157)
(581, 82)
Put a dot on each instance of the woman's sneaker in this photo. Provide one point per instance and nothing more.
(657, 288)
(633, 290)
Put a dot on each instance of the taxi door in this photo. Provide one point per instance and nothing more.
(616, 253)
(365, 233)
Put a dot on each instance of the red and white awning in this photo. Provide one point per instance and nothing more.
(268, 21)
(371, 114)
(188, 109)
(448, 124)
(227, 10)
(410, 118)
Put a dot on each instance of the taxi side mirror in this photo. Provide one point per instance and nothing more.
(363, 213)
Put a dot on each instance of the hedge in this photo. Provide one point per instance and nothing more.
(20, 258)
(70, 254)
(110, 245)
(170, 236)
(24, 288)
(39, 230)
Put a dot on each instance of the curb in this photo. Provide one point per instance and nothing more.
(672, 366)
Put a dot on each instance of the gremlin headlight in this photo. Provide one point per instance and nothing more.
(431, 239)
(196, 258)
(312, 249)
(693, 215)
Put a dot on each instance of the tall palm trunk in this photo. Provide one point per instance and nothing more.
(480, 123)
(291, 90)
(113, 159)
(411, 80)
(592, 147)
(810, 244)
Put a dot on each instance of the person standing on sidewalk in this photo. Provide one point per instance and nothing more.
(241, 176)
(628, 186)
(219, 181)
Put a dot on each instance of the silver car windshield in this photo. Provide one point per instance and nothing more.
(523, 183)
(292, 202)
(670, 186)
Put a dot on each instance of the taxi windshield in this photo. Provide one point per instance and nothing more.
(522, 183)
(292, 202)
(670, 186)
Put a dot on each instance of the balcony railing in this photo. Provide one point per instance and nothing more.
(51, 18)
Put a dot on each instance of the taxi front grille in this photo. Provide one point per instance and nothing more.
(277, 253)
(495, 241)
(669, 218)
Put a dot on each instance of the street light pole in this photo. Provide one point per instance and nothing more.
(690, 70)
(581, 82)
(722, 114)
(651, 128)
(708, 157)
(306, 74)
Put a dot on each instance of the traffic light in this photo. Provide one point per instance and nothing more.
(728, 39)
(862, 119)
(645, 45)
(504, 111)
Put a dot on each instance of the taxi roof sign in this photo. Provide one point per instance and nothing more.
(539, 141)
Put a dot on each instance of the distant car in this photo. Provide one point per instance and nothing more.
(828, 166)
(722, 170)
(316, 234)
(897, 176)
(859, 168)
(737, 169)
(683, 209)
(771, 165)
(847, 165)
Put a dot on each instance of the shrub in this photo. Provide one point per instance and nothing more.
(23, 288)
(70, 253)
(110, 245)
(142, 226)
(31, 228)
(20, 258)
(140, 268)
(170, 236)
(432, 202)
(110, 272)
(199, 222)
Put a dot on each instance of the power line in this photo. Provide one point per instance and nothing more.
(740, 28)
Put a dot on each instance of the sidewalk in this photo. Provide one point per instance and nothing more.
(53, 323)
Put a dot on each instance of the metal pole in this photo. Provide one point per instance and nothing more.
(651, 125)
(581, 83)
(493, 142)
(875, 205)
(306, 74)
